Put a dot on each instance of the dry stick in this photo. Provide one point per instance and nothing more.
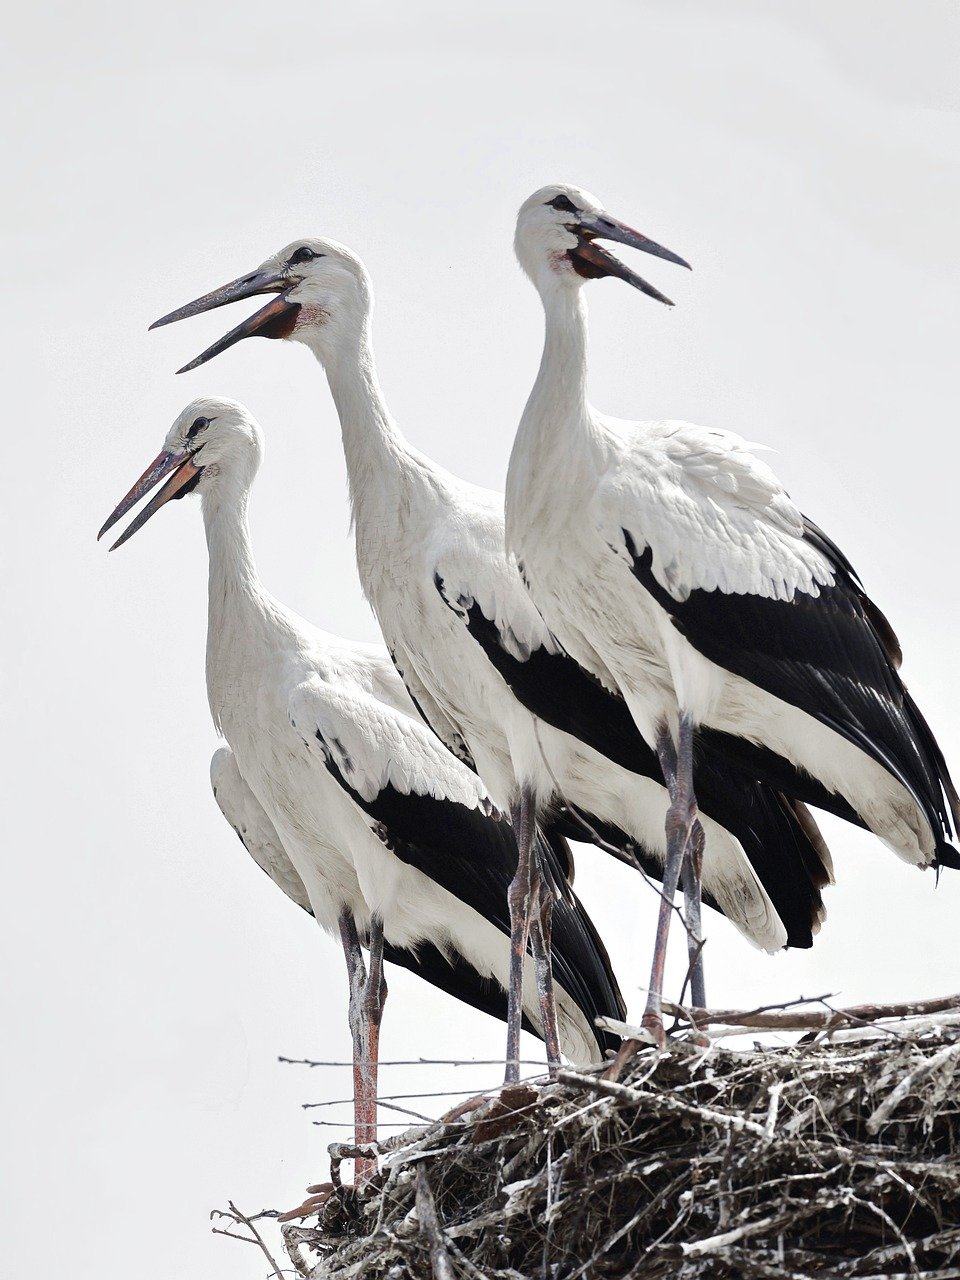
(894, 1098)
(839, 1033)
(390, 1106)
(381, 1124)
(221, 1231)
(430, 1227)
(889, 1252)
(814, 1019)
(384, 1098)
(413, 1062)
(618, 1235)
(865, 1023)
(257, 1237)
(697, 1248)
(755, 1266)
(295, 1239)
(687, 1012)
(657, 1102)
(882, 1214)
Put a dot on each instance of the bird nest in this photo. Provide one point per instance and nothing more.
(836, 1155)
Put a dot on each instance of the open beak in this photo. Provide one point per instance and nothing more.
(275, 320)
(185, 476)
(593, 262)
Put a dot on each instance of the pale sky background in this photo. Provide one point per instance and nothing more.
(803, 156)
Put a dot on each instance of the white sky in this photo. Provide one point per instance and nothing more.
(803, 156)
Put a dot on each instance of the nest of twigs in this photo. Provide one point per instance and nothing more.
(833, 1156)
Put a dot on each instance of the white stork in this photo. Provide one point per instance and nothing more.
(342, 793)
(476, 656)
(669, 561)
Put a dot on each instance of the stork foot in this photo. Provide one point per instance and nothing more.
(652, 1024)
(628, 1051)
(314, 1202)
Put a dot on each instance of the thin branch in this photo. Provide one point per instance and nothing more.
(239, 1217)
(779, 1018)
(411, 1062)
(430, 1227)
(949, 1053)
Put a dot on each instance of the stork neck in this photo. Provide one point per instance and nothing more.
(233, 574)
(555, 439)
(239, 617)
(560, 390)
(379, 460)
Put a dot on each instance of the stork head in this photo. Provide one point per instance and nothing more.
(321, 297)
(213, 449)
(556, 242)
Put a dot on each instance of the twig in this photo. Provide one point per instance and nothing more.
(889, 1105)
(390, 1106)
(257, 1237)
(647, 1098)
(430, 1226)
(759, 1161)
(780, 1019)
(713, 1244)
(412, 1062)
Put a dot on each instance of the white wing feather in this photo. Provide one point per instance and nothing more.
(373, 746)
(243, 811)
(476, 569)
(429, 708)
(714, 515)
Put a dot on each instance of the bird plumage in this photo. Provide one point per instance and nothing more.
(330, 746)
(669, 558)
(577, 944)
(426, 540)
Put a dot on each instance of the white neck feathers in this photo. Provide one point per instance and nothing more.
(239, 613)
(556, 424)
(389, 481)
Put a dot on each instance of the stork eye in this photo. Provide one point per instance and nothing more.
(563, 204)
(197, 426)
(303, 254)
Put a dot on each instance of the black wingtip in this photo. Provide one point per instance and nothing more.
(947, 856)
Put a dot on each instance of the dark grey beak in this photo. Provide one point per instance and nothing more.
(185, 475)
(593, 262)
(275, 320)
(250, 286)
(603, 227)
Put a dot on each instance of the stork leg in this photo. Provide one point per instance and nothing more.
(692, 910)
(519, 902)
(690, 875)
(367, 995)
(681, 815)
(540, 943)
(374, 999)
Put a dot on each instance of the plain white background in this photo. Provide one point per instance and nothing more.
(804, 158)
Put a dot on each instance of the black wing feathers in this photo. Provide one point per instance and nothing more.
(780, 849)
(561, 692)
(833, 655)
(586, 961)
(474, 856)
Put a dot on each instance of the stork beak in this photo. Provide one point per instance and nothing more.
(593, 262)
(275, 320)
(185, 476)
